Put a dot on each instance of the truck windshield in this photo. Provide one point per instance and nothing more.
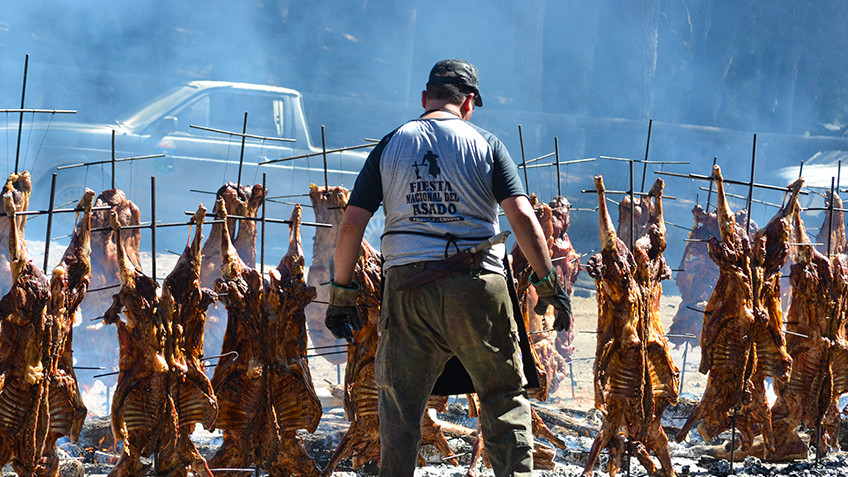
(147, 113)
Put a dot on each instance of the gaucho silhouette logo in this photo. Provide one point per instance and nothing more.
(432, 200)
(432, 164)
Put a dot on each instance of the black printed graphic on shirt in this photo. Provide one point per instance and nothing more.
(431, 200)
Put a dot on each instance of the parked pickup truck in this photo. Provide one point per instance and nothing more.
(195, 159)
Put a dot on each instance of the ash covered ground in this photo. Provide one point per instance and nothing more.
(568, 412)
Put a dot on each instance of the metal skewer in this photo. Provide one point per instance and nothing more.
(96, 163)
(152, 224)
(626, 192)
(313, 154)
(728, 181)
(30, 110)
(710, 192)
(647, 147)
(21, 117)
(553, 164)
(49, 219)
(241, 154)
(523, 160)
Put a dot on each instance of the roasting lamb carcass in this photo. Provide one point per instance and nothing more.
(626, 365)
(265, 394)
(361, 441)
(651, 269)
(105, 274)
(25, 340)
(68, 285)
(741, 341)
(104, 252)
(240, 201)
(20, 186)
(182, 309)
(698, 274)
(296, 403)
(836, 243)
(817, 344)
(143, 413)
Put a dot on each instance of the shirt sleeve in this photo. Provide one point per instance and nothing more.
(368, 189)
(506, 182)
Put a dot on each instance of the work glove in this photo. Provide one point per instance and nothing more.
(551, 293)
(342, 317)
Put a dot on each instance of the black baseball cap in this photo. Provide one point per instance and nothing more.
(457, 72)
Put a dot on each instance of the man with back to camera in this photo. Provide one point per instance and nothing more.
(440, 180)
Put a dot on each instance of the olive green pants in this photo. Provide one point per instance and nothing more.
(420, 329)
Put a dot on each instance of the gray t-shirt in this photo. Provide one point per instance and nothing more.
(440, 181)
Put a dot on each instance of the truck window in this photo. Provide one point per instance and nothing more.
(197, 113)
(264, 113)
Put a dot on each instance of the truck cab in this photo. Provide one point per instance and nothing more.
(186, 125)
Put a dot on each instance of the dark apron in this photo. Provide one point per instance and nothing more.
(455, 379)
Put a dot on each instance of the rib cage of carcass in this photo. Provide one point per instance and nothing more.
(161, 392)
(742, 341)
(635, 378)
(817, 343)
(553, 350)
(263, 384)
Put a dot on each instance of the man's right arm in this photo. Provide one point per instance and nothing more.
(348, 243)
(342, 316)
(528, 233)
(531, 240)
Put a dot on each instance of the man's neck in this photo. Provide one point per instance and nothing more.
(441, 109)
